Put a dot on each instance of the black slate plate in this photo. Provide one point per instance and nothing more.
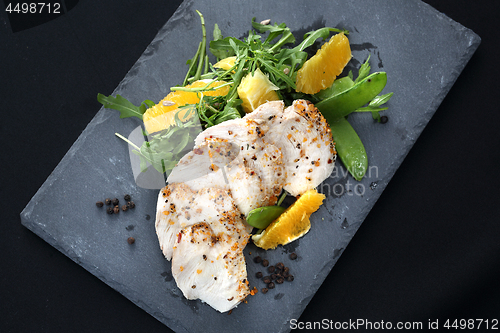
(423, 53)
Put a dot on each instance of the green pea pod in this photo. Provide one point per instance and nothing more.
(261, 217)
(340, 105)
(338, 86)
(349, 147)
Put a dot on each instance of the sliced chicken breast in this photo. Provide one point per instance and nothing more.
(211, 266)
(256, 177)
(203, 160)
(236, 166)
(244, 131)
(254, 172)
(204, 234)
(305, 140)
(300, 132)
(179, 207)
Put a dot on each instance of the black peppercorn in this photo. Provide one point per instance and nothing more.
(127, 197)
(257, 259)
(270, 285)
(116, 210)
(266, 279)
(271, 269)
(280, 280)
(293, 256)
(273, 276)
(280, 265)
(115, 202)
(290, 278)
(258, 275)
(264, 290)
(99, 204)
(109, 210)
(384, 119)
(131, 204)
(131, 240)
(124, 207)
(107, 202)
(265, 262)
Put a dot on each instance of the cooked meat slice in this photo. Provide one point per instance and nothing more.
(300, 132)
(211, 266)
(179, 207)
(204, 159)
(244, 131)
(235, 167)
(255, 176)
(305, 140)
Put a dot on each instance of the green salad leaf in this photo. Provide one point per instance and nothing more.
(126, 108)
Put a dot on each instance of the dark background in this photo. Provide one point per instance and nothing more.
(429, 249)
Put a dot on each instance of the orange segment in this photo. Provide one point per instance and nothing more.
(292, 224)
(256, 90)
(162, 115)
(226, 63)
(320, 70)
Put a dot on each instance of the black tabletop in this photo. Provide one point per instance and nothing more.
(428, 251)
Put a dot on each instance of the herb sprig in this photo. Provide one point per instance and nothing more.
(126, 108)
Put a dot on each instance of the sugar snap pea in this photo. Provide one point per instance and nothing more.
(341, 104)
(338, 86)
(349, 148)
(261, 217)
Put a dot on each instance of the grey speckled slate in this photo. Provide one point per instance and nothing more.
(423, 53)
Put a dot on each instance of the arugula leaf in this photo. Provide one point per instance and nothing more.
(223, 47)
(218, 53)
(370, 109)
(364, 70)
(382, 99)
(126, 108)
(268, 27)
(376, 116)
(312, 36)
(376, 102)
(272, 69)
(217, 32)
(374, 106)
(274, 31)
(350, 75)
(230, 112)
(165, 149)
(287, 38)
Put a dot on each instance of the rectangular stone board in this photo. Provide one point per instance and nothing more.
(423, 53)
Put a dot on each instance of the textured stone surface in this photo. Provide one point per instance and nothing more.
(423, 53)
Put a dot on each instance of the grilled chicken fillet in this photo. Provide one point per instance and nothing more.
(250, 168)
(204, 234)
(299, 131)
(236, 166)
(211, 266)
